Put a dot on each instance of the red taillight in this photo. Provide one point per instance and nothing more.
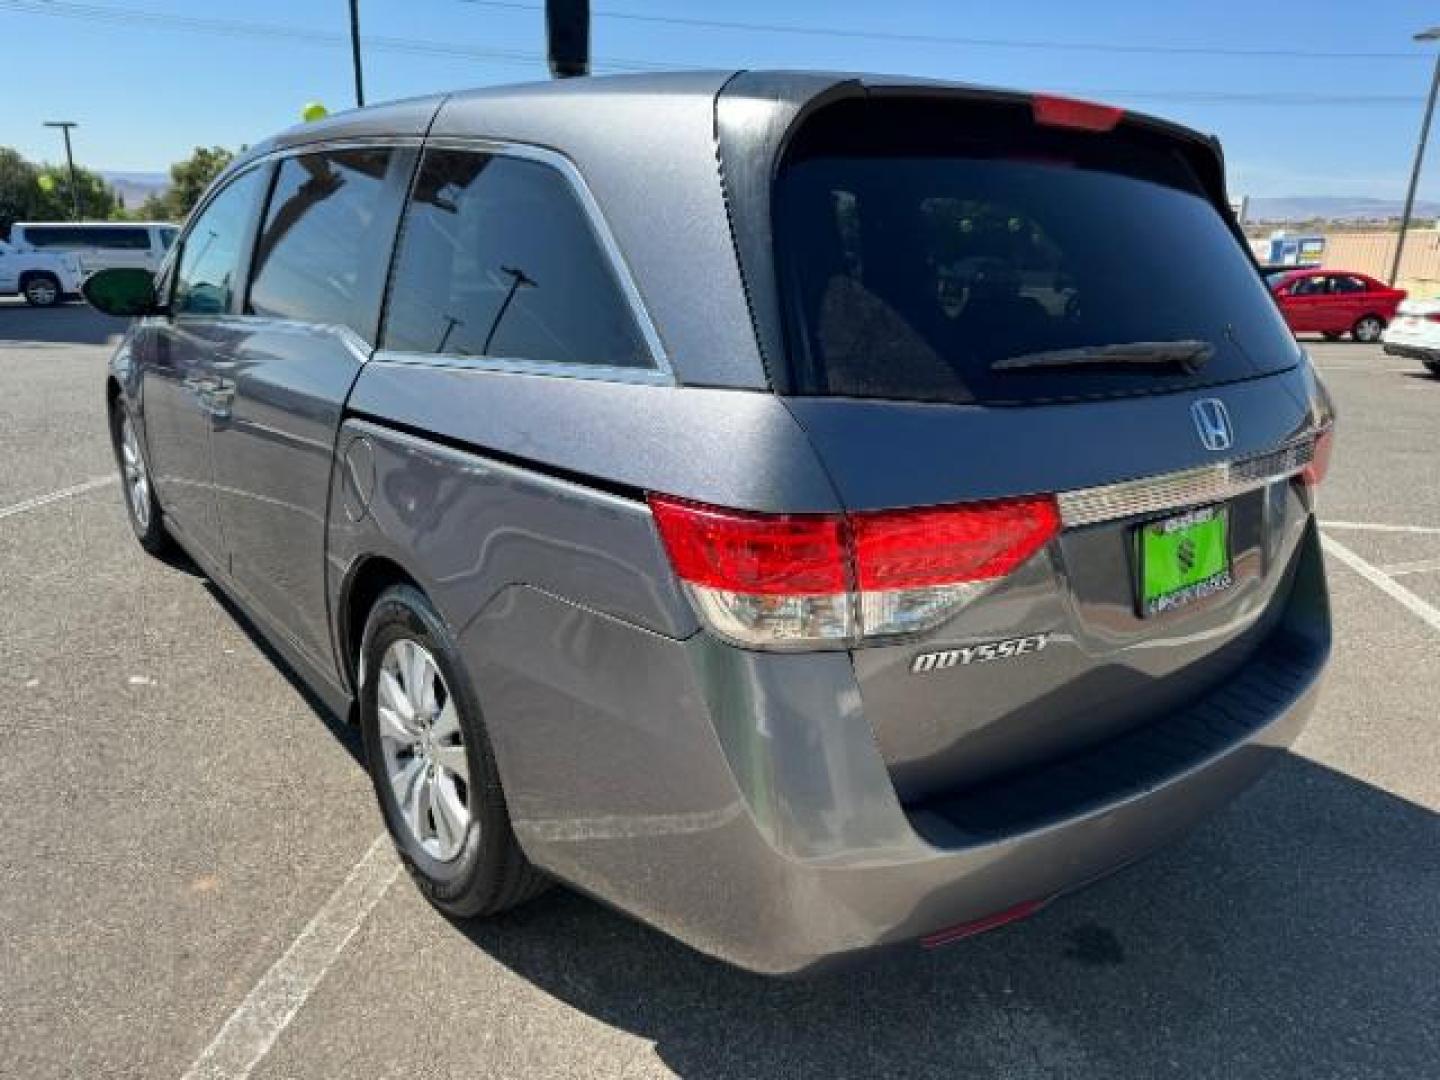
(807, 580)
(1314, 473)
(765, 554)
(1433, 316)
(1053, 111)
(911, 549)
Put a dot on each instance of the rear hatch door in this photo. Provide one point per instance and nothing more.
(979, 303)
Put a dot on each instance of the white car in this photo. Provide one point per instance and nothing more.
(1415, 333)
(98, 245)
(44, 278)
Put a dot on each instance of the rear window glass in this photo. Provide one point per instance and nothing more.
(926, 259)
(498, 260)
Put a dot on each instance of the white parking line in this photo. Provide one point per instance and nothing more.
(1326, 369)
(1366, 526)
(1387, 585)
(55, 496)
(1423, 566)
(251, 1030)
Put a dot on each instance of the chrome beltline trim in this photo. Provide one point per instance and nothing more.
(1177, 490)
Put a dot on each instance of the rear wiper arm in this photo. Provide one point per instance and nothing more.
(1188, 356)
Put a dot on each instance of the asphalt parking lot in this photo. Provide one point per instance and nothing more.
(190, 883)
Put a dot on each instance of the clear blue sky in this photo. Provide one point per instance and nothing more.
(146, 89)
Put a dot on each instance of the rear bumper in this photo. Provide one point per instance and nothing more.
(738, 802)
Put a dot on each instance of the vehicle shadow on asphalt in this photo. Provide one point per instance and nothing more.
(1294, 935)
(66, 324)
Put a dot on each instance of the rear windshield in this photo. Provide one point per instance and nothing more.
(935, 257)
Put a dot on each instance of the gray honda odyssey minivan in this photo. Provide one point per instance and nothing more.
(808, 512)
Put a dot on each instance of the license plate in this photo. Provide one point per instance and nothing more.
(1183, 559)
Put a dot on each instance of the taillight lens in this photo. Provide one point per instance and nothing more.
(1314, 473)
(826, 580)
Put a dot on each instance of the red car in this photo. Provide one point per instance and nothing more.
(1334, 302)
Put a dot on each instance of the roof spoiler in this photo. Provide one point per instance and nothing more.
(567, 37)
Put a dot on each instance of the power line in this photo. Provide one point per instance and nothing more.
(270, 32)
(946, 39)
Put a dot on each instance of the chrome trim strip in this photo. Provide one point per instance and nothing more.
(598, 225)
(516, 366)
(1174, 491)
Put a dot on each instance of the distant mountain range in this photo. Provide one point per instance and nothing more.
(135, 187)
(1332, 208)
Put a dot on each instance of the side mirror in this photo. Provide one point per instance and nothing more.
(124, 291)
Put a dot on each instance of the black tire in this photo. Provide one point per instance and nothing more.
(1331, 335)
(150, 529)
(1433, 366)
(41, 289)
(490, 873)
(1367, 329)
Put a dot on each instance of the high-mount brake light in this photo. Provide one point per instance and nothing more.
(1051, 110)
(804, 581)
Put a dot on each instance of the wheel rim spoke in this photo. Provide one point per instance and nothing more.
(405, 781)
(449, 815)
(447, 724)
(393, 697)
(454, 760)
(395, 729)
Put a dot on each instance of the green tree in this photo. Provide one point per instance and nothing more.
(98, 201)
(190, 178)
(156, 207)
(19, 189)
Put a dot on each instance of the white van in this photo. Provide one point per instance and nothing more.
(98, 244)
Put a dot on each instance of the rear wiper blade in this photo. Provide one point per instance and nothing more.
(1188, 356)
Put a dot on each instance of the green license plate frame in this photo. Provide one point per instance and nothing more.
(1182, 559)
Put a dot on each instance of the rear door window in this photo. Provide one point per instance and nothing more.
(497, 259)
(320, 256)
(1001, 266)
(116, 238)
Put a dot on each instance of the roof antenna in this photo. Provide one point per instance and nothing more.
(567, 34)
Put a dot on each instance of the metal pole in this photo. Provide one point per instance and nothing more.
(65, 126)
(355, 52)
(70, 165)
(1415, 171)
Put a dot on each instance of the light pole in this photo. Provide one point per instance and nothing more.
(65, 126)
(355, 52)
(1433, 34)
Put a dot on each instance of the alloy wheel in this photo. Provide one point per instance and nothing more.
(425, 757)
(1369, 330)
(137, 477)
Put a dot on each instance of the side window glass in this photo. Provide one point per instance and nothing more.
(313, 259)
(497, 258)
(209, 270)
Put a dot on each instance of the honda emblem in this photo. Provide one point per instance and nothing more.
(1212, 421)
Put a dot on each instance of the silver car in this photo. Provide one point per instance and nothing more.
(808, 512)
